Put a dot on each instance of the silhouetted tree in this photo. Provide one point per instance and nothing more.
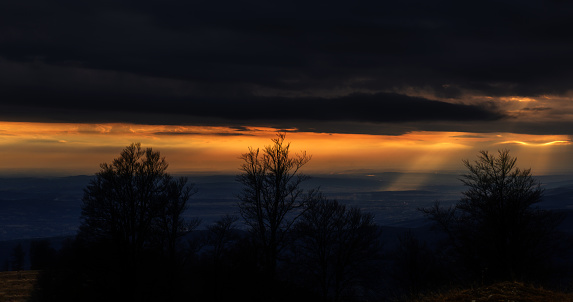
(495, 227)
(221, 234)
(335, 244)
(18, 257)
(65, 279)
(133, 210)
(219, 276)
(272, 197)
(416, 266)
(41, 254)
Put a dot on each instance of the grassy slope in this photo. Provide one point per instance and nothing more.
(505, 291)
(17, 286)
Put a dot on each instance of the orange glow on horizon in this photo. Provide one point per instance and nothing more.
(518, 99)
(538, 144)
(80, 148)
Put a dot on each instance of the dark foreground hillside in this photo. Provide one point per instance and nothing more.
(505, 291)
(17, 286)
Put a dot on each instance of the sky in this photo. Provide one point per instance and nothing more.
(359, 85)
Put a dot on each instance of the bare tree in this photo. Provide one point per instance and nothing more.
(495, 227)
(416, 267)
(272, 197)
(132, 199)
(134, 207)
(335, 244)
(42, 255)
(170, 225)
(18, 257)
(221, 233)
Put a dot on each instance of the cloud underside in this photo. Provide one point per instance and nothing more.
(365, 67)
(342, 114)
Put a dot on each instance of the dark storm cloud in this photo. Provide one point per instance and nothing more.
(376, 108)
(110, 107)
(536, 108)
(468, 136)
(199, 133)
(215, 61)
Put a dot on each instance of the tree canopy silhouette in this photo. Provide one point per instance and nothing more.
(132, 210)
(335, 244)
(495, 227)
(272, 195)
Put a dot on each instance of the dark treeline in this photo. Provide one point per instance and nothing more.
(134, 244)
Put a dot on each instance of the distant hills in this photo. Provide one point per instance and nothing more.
(35, 207)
